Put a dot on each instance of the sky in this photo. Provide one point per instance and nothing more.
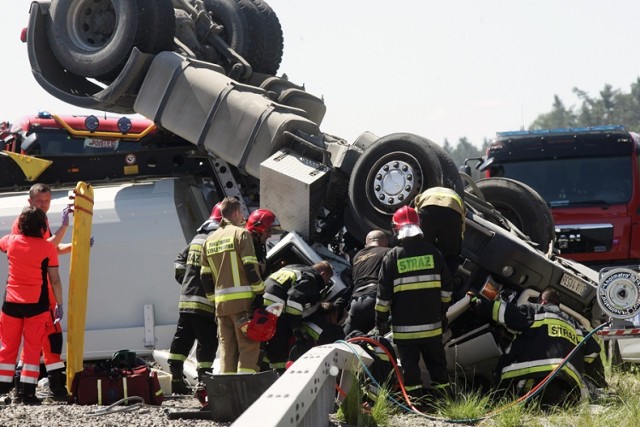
(440, 69)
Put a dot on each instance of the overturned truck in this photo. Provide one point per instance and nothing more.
(206, 71)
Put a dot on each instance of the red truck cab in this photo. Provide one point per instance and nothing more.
(589, 177)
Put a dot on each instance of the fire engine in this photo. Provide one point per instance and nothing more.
(89, 148)
(588, 176)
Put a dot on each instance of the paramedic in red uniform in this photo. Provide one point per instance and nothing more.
(40, 197)
(25, 309)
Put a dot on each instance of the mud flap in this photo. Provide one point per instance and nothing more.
(230, 395)
(32, 167)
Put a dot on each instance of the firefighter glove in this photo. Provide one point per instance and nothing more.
(474, 302)
(57, 313)
(258, 302)
(65, 215)
(383, 328)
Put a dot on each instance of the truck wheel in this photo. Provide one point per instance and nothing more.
(388, 175)
(264, 50)
(93, 38)
(523, 206)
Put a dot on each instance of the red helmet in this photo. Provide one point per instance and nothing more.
(216, 214)
(406, 222)
(261, 327)
(261, 219)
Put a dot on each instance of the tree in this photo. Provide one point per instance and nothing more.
(611, 107)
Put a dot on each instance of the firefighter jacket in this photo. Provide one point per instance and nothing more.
(365, 269)
(544, 337)
(441, 196)
(414, 286)
(187, 273)
(299, 287)
(229, 274)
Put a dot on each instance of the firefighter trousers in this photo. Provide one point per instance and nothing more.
(238, 354)
(362, 315)
(192, 327)
(278, 348)
(432, 353)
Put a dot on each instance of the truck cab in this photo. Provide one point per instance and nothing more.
(588, 177)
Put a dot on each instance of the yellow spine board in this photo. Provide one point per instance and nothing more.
(78, 278)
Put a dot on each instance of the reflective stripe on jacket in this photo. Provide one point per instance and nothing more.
(187, 272)
(415, 288)
(227, 255)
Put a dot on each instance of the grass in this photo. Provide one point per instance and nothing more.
(618, 407)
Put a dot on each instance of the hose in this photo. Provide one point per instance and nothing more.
(112, 410)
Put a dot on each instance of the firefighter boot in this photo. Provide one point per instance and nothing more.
(58, 385)
(27, 394)
(178, 385)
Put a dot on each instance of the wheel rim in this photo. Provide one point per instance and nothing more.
(394, 180)
(91, 23)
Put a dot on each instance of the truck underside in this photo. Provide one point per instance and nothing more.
(261, 135)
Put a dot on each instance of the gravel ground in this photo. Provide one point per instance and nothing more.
(63, 415)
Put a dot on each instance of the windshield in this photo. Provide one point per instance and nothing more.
(574, 181)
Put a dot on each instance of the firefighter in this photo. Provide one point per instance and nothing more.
(262, 223)
(196, 320)
(414, 287)
(33, 268)
(40, 197)
(442, 212)
(230, 276)
(365, 268)
(544, 337)
(299, 287)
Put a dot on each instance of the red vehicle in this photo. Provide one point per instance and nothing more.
(90, 148)
(590, 179)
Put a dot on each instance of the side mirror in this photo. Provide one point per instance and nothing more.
(485, 164)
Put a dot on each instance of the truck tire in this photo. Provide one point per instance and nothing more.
(265, 47)
(388, 175)
(93, 38)
(523, 206)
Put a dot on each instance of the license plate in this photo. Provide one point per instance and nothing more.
(573, 284)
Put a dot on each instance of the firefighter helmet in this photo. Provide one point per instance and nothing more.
(406, 222)
(262, 219)
(261, 326)
(216, 213)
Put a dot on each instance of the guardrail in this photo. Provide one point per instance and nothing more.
(305, 394)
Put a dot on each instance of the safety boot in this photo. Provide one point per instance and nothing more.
(178, 384)
(58, 385)
(27, 394)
